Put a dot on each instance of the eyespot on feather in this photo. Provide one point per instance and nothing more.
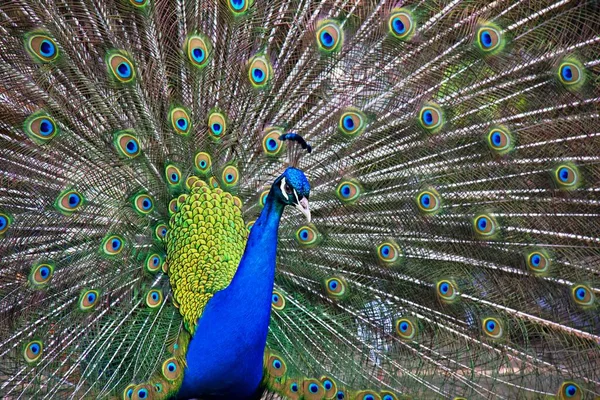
(583, 295)
(173, 175)
(348, 191)
(69, 201)
(401, 24)
(153, 262)
(278, 300)
(406, 328)
(120, 67)
(112, 245)
(143, 203)
(88, 299)
(389, 253)
(271, 144)
(500, 141)
(199, 50)
(127, 393)
(566, 176)
(313, 390)
(180, 121)
(126, 144)
(571, 73)
(171, 369)
(352, 123)
(260, 71)
(307, 236)
(230, 176)
(431, 118)
(336, 287)
(538, 262)
(429, 201)
(239, 7)
(329, 36)
(492, 327)
(367, 395)
(330, 387)
(446, 291)
(485, 226)
(160, 231)
(276, 367)
(40, 127)
(41, 274)
(217, 125)
(570, 391)
(203, 162)
(5, 222)
(41, 47)
(489, 39)
(32, 351)
(142, 392)
(385, 395)
(154, 298)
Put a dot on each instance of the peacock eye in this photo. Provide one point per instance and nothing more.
(288, 189)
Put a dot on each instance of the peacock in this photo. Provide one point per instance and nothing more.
(300, 199)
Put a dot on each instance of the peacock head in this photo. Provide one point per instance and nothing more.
(292, 188)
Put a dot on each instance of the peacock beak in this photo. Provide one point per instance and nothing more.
(302, 205)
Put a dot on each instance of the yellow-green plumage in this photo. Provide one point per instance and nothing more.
(205, 243)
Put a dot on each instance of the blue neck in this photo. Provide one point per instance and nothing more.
(225, 356)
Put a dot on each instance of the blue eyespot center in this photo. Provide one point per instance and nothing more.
(567, 73)
(258, 75)
(73, 200)
(155, 260)
(571, 390)
(345, 190)
(275, 298)
(146, 204)
(444, 288)
(174, 177)
(271, 144)
(91, 297)
(163, 232)
(425, 200)
(313, 388)
(349, 123)
(202, 164)
(124, 70)
(496, 138)
(326, 39)
(388, 397)
(216, 128)
(482, 223)
(198, 54)
(116, 244)
(490, 326)
(398, 26)
(44, 272)
(327, 384)
(403, 326)
(486, 39)
(333, 285)
(154, 296)
(340, 395)
(3, 222)
(276, 364)
(171, 367)
(580, 293)
(131, 146)
(385, 250)
(182, 123)
(142, 393)
(34, 348)
(47, 48)
(294, 387)
(536, 260)
(428, 117)
(304, 234)
(369, 397)
(237, 4)
(46, 127)
(229, 178)
(563, 174)
(129, 393)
